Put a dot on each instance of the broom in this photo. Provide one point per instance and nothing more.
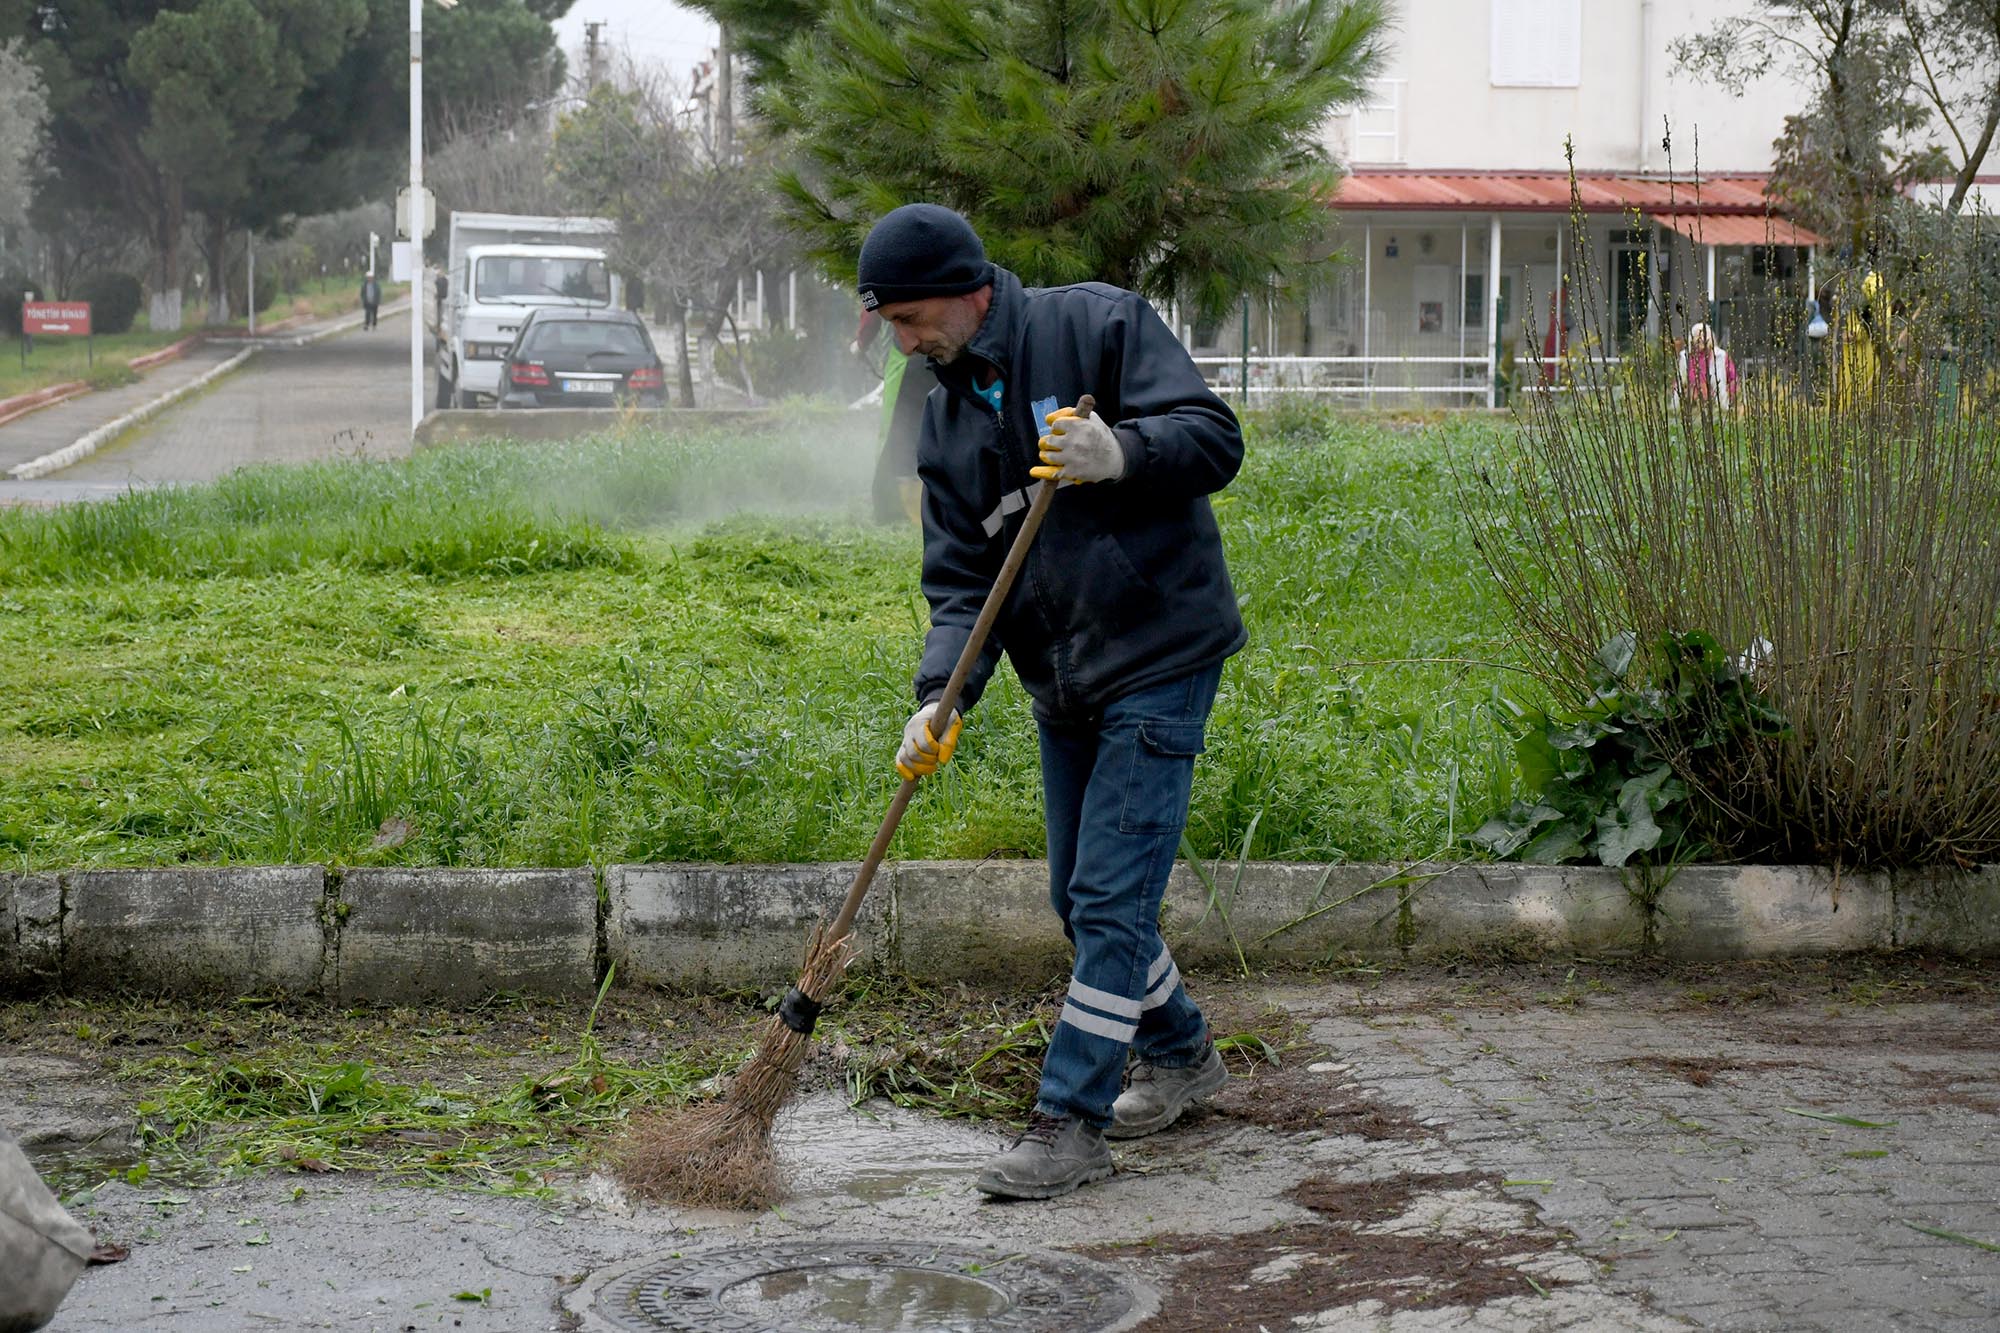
(719, 1154)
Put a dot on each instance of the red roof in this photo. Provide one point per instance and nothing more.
(1549, 191)
(1737, 229)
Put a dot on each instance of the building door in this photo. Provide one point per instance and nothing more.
(1431, 292)
(1632, 279)
(1475, 301)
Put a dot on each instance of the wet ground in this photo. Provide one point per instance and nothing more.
(1533, 1148)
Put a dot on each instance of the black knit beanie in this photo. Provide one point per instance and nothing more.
(919, 251)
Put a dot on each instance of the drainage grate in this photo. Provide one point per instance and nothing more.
(835, 1286)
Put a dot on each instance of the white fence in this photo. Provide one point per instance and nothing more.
(1382, 381)
(1458, 381)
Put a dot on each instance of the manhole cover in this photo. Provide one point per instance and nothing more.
(836, 1286)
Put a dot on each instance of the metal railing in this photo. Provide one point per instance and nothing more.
(1359, 380)
(1346, 377)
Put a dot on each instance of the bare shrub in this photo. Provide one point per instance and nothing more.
(1833, 529)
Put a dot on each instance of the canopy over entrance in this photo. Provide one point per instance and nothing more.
(1741, 193)
(1737, 229)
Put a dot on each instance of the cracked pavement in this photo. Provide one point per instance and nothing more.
(1497, 1148)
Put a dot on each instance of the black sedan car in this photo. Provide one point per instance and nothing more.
(582, 358)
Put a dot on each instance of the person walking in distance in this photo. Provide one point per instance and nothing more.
(371, 299)
(1706, 370)
(1117, 626)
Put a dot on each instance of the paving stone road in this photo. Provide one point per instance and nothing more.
(1523, 1149)
(51, 428)
(1675, 1150)
(344, 395)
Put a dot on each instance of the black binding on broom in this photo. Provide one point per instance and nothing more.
(799, 1011)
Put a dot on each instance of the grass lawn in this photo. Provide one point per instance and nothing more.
(59, 360)
(101, 360)
(645, 648)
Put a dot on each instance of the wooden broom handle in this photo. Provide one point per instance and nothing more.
(974, 645)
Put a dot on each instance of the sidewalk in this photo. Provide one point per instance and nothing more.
(1782, 1146)
(51, 428)
(48, 430)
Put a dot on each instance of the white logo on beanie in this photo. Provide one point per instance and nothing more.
(868, 301)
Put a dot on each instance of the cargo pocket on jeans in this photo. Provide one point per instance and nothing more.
(1162, 776)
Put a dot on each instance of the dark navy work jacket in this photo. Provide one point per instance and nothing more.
(1125, 586)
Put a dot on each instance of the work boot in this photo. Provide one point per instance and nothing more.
(1154, 1097)
(1054, 1155)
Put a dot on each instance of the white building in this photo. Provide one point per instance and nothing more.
(1458, 216)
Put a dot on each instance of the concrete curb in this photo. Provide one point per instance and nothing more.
(241, 928)
(168, 353)
(464, 425)
(390, 934)
(454, 933)
(719, 925)
(21, 404)
(97, 439)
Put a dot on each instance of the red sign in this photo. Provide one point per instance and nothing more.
(55, 317)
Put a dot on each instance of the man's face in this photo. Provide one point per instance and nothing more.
(938, 327)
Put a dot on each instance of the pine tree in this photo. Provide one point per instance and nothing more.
(1169, 146)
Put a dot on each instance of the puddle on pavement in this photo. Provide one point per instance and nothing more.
(70, 1169)
(876, 1152)
(858, 1297)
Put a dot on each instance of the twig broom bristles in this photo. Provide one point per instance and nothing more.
(719, 1154)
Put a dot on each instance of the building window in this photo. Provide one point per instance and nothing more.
(1473, 312)
(1537, 43)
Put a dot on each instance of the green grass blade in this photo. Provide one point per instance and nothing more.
(1953, 1236)
(1854, 1121)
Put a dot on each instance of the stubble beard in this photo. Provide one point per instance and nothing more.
(956, 337)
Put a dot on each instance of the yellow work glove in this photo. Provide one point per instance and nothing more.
(1079, 449)
(922, 753)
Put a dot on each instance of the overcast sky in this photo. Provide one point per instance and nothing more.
(653, 31)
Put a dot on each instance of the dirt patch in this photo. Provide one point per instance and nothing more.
(1291, 1099)
(1700, 1070)
(1359, 1202)
(1935, 1088)
(1246, 1282)
(1915, 1033)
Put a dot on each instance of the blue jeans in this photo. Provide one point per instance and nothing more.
(1117, 796)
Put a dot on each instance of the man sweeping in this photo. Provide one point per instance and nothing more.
(1117, 626)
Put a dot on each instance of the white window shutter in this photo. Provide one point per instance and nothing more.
(1537, 43)
(1565, 43)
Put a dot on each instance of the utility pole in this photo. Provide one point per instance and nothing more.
(592, 70)
(725, 97)
(416, 211)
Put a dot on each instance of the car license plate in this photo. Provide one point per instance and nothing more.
(588, 386)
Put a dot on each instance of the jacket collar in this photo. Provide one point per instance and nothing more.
(994, 341)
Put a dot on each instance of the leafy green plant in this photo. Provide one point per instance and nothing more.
(1603, 778)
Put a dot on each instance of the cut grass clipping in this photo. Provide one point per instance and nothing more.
(515, 1095)
(318, 1118)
